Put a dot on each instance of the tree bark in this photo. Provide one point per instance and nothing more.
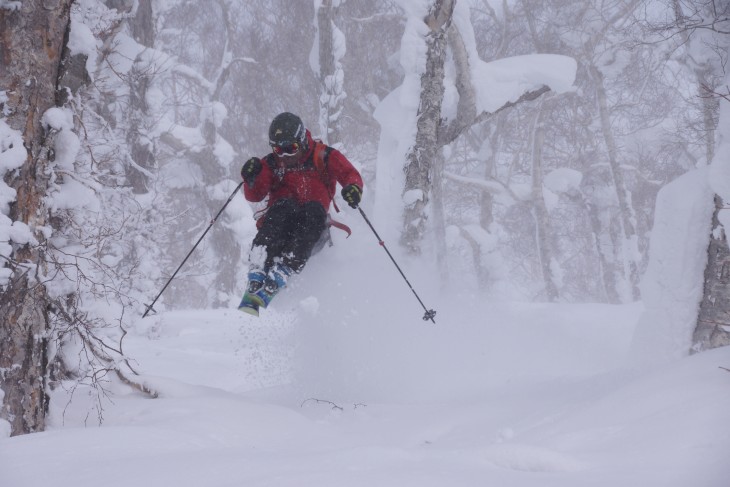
(421, 156)
(713, 321)
(606, 267)
(540, 212)
(330, 73)
(432, 133)
(142, 27)
(439, 216)
(31, 43)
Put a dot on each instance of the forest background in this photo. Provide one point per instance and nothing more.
(548, 197)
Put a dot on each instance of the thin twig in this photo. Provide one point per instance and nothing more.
(334, 406)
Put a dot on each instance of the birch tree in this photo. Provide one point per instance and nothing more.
(698, 35)
(420, 158)
(639, 102)
(433, 132)
(713, 321)
(31, 49)
(331, 49)
(64, 262)
(543, 237)
(622, 80)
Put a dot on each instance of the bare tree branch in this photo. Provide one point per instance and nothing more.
(452, 133)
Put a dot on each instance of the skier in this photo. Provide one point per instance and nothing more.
(299, 178)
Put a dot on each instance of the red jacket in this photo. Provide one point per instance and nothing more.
(302, 181)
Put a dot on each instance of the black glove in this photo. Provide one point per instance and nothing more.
(250, 170)
(352, 194)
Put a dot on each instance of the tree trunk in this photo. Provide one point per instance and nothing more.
(439, 217)
(540, 212)
(432, 133)
(331, 99)
(606, 266)
(713, 321)
(466, 113)
(628, 247)
(31, 42)
(420, 158)
(142, 26)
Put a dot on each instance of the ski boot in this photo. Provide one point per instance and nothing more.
(251, 302)
(275, 281)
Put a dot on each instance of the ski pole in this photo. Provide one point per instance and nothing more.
(215, 218)
(430, 314)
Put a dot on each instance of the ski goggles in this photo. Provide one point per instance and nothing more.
(286, 150)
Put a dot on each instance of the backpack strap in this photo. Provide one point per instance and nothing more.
(334, 223)
(320, 158)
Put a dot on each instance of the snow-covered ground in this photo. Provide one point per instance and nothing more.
(342, 384)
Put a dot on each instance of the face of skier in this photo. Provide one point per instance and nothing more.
(288, 153)
(286, 150)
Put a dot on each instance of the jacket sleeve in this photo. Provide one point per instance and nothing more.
(342, 169)
(261, 185)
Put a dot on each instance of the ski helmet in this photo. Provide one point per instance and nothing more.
(286, 129)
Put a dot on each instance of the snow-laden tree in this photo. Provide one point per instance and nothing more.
(423, 155)
(196, 160)
(31, 46)
(594, 33)
(705, 30)
(583, 226)
(60, 251)
(457, 91)
(328, 66)
(696, 33)
(690, 222)
(158, 87)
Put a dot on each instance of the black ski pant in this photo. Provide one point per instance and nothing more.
(290, 231)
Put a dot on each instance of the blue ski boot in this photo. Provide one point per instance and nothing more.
(275, 281)
(251, 302)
